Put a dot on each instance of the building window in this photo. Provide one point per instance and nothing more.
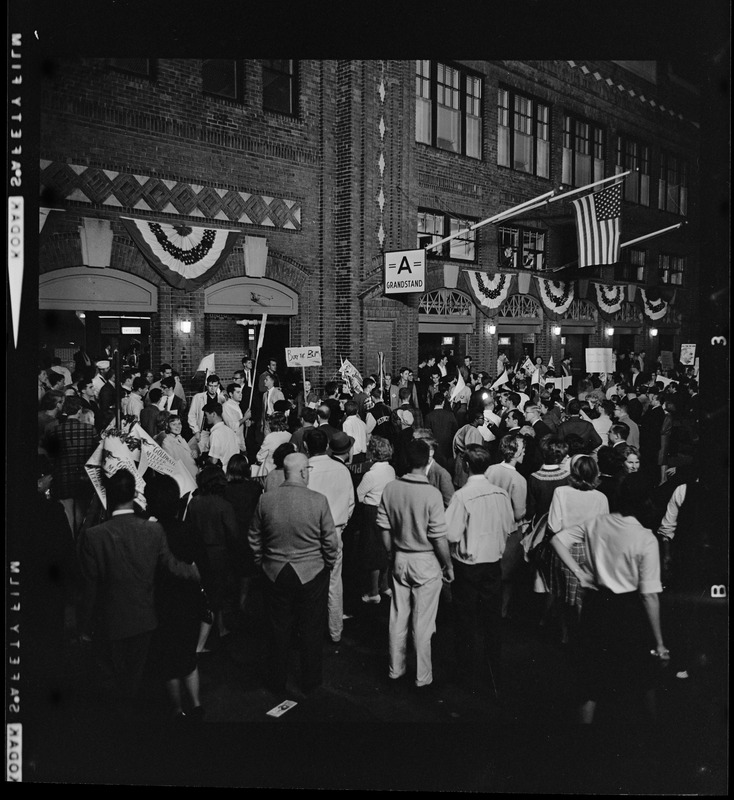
(133, 66)
(673, 185)
(583, 152)
(521, 248)
(635, 156)
(448, 113)
(670, 269)
(632, 268)
(523, 133)
(222, 77)
(280, 86)
(433, 226)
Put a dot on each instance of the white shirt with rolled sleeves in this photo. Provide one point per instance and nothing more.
(479, 519)
(624, 556)
(223, 444)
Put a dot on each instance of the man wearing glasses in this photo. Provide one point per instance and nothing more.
(294, 542)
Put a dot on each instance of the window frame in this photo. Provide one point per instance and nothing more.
(293, 86)
(664, 184)
(670, 267)
(635, 262)
(239, 77)
(625, 159)
(522, 233)
(448, 250)
(429, 88)
(509, 111)
(150, 75)
(569, 163)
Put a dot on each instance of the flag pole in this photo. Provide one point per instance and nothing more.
(650, 235)
(260, 338)
(496, 218)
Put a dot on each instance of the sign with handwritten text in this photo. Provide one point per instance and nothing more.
(303, 356)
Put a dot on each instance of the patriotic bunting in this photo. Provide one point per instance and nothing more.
(654, 309)
(609, 298)
(490, 292)
(184, 256)
(555, 295)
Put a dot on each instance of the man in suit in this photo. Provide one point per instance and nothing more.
(580, 427)
(118, 561)
(248, 371)
(294, 542)
(443, 424)
(85, 389)
(534, 419)
(272, 369)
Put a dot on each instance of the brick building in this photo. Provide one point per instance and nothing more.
(322, 166)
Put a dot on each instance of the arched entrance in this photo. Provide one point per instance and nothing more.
(80, 306)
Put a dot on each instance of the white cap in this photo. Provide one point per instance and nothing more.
(103, 364)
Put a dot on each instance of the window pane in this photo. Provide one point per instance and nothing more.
(523, 152)
(423, 120)
(219, 76)
(683, 201)
(279, 86)
(447, 134)
(474, 137)
(463, 246)
(566, 175)
(583, 169)
(543, 168)
(598, 169)
(503, 146)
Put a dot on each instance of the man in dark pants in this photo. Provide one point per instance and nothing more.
(293, 538)
(119, 560)
(479, 520)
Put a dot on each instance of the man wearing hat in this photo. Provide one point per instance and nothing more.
(330, 476)
(100, 379)
(340, 446)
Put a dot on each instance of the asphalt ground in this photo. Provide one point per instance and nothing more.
(361, 730)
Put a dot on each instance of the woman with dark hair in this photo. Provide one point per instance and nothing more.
(214, 518)
(616, 630)
(276, 476)
(571, 506)
(243, 493)
(543, 482)
(279, 433)
(369, 494)
(178, 602)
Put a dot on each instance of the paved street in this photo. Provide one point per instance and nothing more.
(361, 730)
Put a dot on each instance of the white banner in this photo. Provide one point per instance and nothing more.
(599, 359)
(303, 356)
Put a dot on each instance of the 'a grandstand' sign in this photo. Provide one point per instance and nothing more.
(405, 271)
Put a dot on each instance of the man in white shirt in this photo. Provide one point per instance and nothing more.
(135, 400)
(479, 520)
(271, 395)
(354, 427)
(223, 443)
(102, 376)
(331, 477)
(212, 393)
(604, 421)
(232, 413)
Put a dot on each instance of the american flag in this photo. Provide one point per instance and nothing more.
(597, 223)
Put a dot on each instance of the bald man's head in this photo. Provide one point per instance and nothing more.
(295, 467)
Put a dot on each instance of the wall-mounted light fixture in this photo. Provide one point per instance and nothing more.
(609, 331)
(653, 331)
(185, 325)
(491, 329)
(556, 330)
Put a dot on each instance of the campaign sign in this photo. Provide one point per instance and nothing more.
(666, 359)
(405, 271)
(687, 354)
(303, 356)
(599, 359)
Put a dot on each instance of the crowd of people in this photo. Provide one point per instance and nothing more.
(501, 485)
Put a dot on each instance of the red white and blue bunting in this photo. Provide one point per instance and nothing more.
(609, 298)
(183, 255)
(654, 309)
(556, 296)
(491, 292)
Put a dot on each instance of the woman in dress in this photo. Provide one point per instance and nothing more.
(369, 494)
(179, 603)
(572, 505)
(215, 519)
(243, 493)
(620, 636)
(279, 434)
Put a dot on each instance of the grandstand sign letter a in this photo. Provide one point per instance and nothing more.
(405, 271)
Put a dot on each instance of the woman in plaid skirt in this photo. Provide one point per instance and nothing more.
(571, 506)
